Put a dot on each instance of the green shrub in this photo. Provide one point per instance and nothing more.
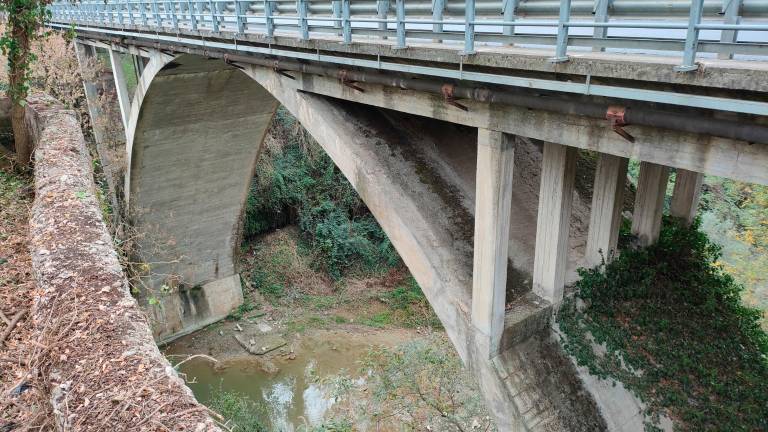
(241, 413)
(675, 332)
(296, 182)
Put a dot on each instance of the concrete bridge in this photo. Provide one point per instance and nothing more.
(459, 124)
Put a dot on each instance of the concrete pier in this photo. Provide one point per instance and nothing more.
(685, 197)
(605, 214)
(553, 223)
(649, 202)
(493, 201)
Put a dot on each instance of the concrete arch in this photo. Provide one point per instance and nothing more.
(195, 130)
(425, 220)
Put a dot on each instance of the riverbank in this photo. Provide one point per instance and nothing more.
(298, 354)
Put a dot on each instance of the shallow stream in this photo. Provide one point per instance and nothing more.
(297, 393)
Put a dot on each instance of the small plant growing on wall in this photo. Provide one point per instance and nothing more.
(24, 19)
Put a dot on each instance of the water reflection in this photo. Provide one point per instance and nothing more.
(297, 392)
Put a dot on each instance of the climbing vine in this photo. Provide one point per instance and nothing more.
(24, 21)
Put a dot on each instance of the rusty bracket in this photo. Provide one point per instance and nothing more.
(447, 91)
(344, 79)
(276, 68)
(615, 114)
(229, 62)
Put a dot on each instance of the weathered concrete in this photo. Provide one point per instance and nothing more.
(194, 142)
(655, 69)
(605, 214)
(553, 222)
(739, 160)
(381, 163)
(649, 202)
(84, 303)
(685, 196)
(493, 202)
(121, 86)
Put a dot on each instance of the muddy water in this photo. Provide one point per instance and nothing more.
(295, 395)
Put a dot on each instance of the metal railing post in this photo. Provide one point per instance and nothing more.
(692, 38)
(336, 12)
(601, 15)
(156, 13)
(438, 7)
(143, 12)
(172, 14)
(302, 8)
(192, 17)
(129, 5)
(240, 16)
(269, 22)
(509, 10)
(382, 10)
(346, 21)
(109, 8)
(469, 27)
(731, 15)
(400, 11)
(214, 19)
(561, 49)
(119, 7)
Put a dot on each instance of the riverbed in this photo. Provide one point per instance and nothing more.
(293, 383)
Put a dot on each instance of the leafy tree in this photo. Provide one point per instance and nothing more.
(25, 17)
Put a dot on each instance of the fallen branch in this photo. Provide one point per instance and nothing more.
(176, 366)
(15, 320)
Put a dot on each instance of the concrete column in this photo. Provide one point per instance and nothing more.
(84, 54)
(649, 202)
(138, 66)
(685, 198)
(493, 202)
(558, 170)
(607, 200)
(121, 86)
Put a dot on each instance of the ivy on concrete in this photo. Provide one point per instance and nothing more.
(675, 332)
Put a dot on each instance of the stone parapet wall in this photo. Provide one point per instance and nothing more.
(95, 346)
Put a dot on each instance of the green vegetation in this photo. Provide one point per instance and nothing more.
(22, 27)
(421, 384)
(241, 414)
(297, 183)
(735, 215)
(410, 308)
(675, 332)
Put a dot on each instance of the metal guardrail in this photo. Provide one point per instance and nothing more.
(655, 25)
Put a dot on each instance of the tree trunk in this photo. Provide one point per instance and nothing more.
(21, 137)
(18, 92)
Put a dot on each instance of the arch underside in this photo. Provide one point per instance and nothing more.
(197, 138)
(194, 146)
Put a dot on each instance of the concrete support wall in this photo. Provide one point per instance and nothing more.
(649, 202)
(81, 286)
(493, 201)
(555, 199)
(194, 144)
(121, 86)
(685, 197)
(605, 214)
